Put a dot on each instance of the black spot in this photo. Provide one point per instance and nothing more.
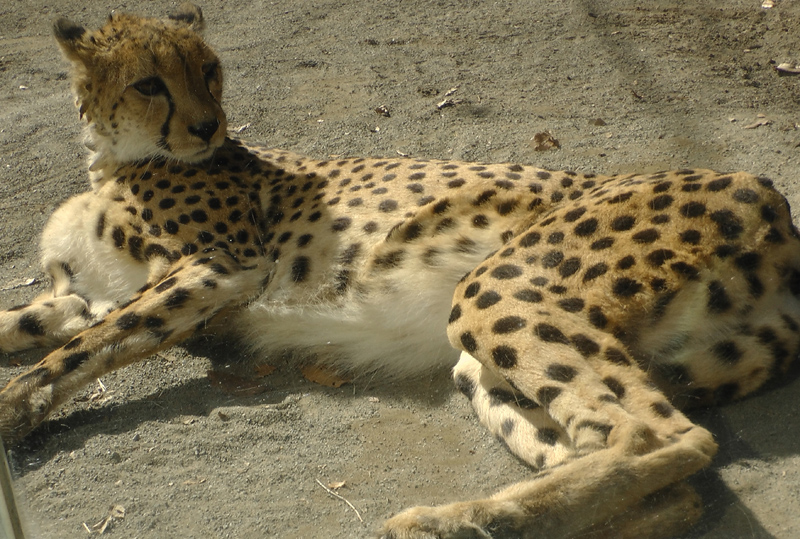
(773, 235)
(465, 385)
(728, 224)
(219, 269)
(166, 285)
(586, 227)
(748, 261)
(617, 356)
(504, 357)
(539, 281)
(725, 393)
(625, 287)
(626, 262)
(595, 271)
(768, 213)
(387, 206)
(530, 239)
(693, 209)
(455, 314)
(480, 221)
(547, 436)
(615, 386)
(663, 409)
(177, 298)
(118, 235)
(300, 268)
(660, 219)
(794, 282)
(646, 236)
(569, 267)
(623, 223)
(719, 184)
(549, 333)
(552, 259)
(166, 203)
(199, 216)
(528, 295)
(472, 290)
(718, 300)
(660, 202)
(597, 318)
(618, 199)
(506, 271)
(561, 373)
(468, 342)
(73, 361)
(602, 243)
(508, 324)
(727, 352)
(341, 223)
(691, 236)
(545, 395)
(507, 427)
(658, 257)
(571, 305)
(74, 343)
(484, 197)
(745, 196)
(153, 322)
(584, 345)
(390, 260)
(487, 299)
(30, 324)
(128, 321)
(686, 270)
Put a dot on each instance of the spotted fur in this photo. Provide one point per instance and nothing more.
(589, 310)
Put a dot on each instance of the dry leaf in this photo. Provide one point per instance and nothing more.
(448, 103)
(195, 481)
(336, 484)
(322, 376)
(766, 4)
(373, 399)
(383, 111)
(264, 370)
(787, 67)
(758, 123)
(544, 141)
(598, 122)
(235, 385)
(117, 512)
(223, 416)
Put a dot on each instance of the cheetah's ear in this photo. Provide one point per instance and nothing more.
(71, 38)
(190, 15)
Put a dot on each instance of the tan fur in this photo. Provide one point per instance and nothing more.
(587, 309)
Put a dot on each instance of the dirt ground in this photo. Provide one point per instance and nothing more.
(624, 86)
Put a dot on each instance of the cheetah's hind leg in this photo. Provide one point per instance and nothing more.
(617, 441)
(533, 436)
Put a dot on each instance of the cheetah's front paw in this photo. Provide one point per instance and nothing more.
(429, 523)
(483, 519)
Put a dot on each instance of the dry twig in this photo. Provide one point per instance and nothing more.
(332, 493)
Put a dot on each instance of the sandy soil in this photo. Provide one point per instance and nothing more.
(675, 83)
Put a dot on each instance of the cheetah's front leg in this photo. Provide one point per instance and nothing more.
(154, 319)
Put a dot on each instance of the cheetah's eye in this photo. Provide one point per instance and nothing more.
(150, 86)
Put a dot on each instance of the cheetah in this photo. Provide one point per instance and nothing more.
(588, 310)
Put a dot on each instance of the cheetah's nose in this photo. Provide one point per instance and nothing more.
(205, 130)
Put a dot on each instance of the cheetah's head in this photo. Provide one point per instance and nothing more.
(148, 88)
